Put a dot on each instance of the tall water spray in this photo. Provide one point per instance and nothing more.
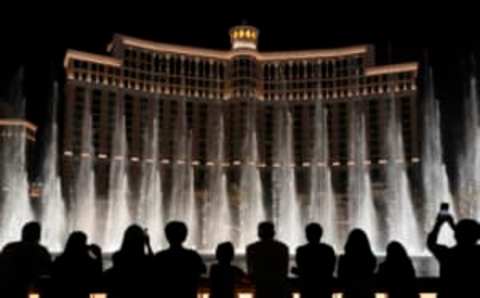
(285, 202)
(402, 221)
(15, 208)
(183, 205)
(251, 205)
(53, 210)
(118, 212)
(83, 207)
(218, 220)
(361, 207)
(436, 185)
(469, 161)
(322, 207)
(150, 205)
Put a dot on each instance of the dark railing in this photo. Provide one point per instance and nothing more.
(427, 287)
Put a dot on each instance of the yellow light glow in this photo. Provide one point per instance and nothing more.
(309, 54)
(428, 295)
(17, 122)
(240, 34)
(247, 34)
(254, 34)
(250, 295)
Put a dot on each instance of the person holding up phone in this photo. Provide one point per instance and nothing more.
(130, 275)
(77, 271)
(459, 264)
(445, 212)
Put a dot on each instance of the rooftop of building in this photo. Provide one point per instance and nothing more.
(244, 40)
(8, 118)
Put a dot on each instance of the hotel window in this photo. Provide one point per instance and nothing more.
(96, 113)
(128, 113)
(189, 114)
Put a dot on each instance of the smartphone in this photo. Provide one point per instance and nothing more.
(91, 251)
(444, 209)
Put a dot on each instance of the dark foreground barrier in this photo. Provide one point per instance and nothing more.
(427, 287)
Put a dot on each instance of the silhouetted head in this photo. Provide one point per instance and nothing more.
(76, 243)
(358, 243)
(314, 232)
(176, 233)
(31, 232)
(225, 252)
(396, 252)
(266, 230)
(467, 232)
(133, 241)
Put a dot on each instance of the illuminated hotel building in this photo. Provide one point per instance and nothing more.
(151, 79)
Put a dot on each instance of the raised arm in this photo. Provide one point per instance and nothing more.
(432, 240)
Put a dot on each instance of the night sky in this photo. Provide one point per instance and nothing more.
(37, 36)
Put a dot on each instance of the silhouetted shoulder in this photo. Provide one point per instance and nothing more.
(30, 250)
(282, 245)
(253, 245)
(11, 247)
(176, 257)
(184, 252)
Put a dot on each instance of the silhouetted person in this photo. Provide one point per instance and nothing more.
(267, 262)
(24, 262)
(178, 269)
(397, 274)
(131, 272)
(460, 264)
(223, 275)
(76, 271)
(315, 265)
(356, 266)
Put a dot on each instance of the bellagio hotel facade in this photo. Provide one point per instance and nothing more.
(152, 79)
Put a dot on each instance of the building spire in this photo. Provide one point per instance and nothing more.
(244, 37)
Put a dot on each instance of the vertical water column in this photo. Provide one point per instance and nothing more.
(436, 185)
(469, 160)
(15, 209)
(286, 205)
(361, 208)
(118, 212)
(182, 205)
(83, 207)
(322, 207)
(401, 218)
(251, 206)
(53, 216)
(190, 202)
(150, 205)
(217, 216)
